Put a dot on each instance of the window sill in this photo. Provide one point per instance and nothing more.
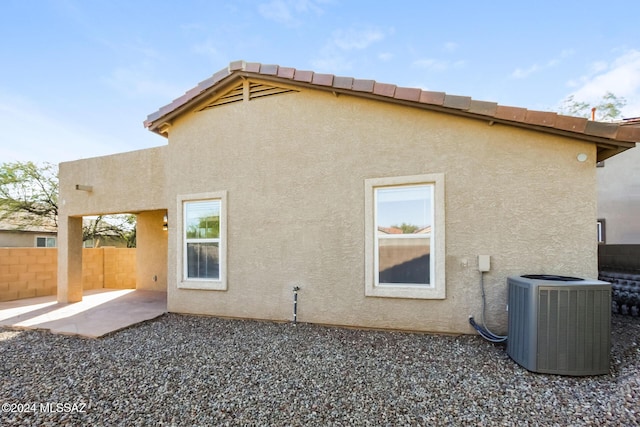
(204, 285)
(408, 292)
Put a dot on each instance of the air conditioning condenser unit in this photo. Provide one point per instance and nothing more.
(559, 325)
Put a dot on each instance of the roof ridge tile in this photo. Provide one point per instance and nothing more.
(286, 72)
(269, 69)
(384, 89)
(362, 85)
(542, 118)
(236, 65)
(343, 82)
(515, 114)
(252, 67)
(486, 108)
(430, 97)
(407, 93)
(570, 123)
(456, 101)
(322, 79)
(303, 76)
(605, 130)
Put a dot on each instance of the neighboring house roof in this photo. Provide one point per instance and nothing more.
(396, 230)
(610, 138)
(389, 230)
(22, 222)
(631, 121)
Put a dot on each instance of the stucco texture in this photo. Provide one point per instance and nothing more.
(619, 197)
(293, 167)
(130, 182)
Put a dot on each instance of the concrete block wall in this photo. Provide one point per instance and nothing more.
(27, 272)
(119, 268)
(92, 268)
(32, 272)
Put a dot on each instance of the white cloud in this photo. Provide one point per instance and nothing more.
(338, 53)
(356, 38)
(620, 77)
(135, 81)
(385, 56)
(599, 66)
(521, 73)
(210, 50)
(450, 46)
(332, 63)
(286, 11)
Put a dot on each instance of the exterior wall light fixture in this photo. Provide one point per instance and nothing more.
(165, 222)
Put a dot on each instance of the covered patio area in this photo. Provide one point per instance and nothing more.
(100, 312)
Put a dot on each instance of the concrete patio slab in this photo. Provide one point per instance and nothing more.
(100, 312)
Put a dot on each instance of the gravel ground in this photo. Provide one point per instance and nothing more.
(189, 370)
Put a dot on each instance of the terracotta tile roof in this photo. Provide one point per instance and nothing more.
(631, 121)
(389, 230)
(611, 138)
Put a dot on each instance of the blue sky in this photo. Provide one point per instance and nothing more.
(78, 77)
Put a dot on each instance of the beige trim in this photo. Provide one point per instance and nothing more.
(215, 285)
(438, 289)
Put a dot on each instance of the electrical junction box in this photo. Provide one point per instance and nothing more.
(559, 325)
(484, 263)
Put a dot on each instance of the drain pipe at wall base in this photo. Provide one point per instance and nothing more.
(295, 304)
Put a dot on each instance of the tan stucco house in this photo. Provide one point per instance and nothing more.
(275, 178)
(619, 196)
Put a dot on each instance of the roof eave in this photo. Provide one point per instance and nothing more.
(608, 146)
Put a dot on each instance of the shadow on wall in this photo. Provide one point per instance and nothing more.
(414, 271)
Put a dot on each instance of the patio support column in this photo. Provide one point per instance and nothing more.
(69, 259)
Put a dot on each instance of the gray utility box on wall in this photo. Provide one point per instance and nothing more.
(559, 325)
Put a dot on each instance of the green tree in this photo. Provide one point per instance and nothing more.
(608, 109)
(108, 229)
(29, 193)
(407, 228)
(29, 197)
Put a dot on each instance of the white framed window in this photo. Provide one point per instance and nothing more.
(404, 240)
(203, 245)
(46, 242)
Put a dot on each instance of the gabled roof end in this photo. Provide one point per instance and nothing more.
(609, 135)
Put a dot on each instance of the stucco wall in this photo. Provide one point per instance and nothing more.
(294, 167)
(619, 197)
(121, 183)
(21, 239)
(152, 251)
